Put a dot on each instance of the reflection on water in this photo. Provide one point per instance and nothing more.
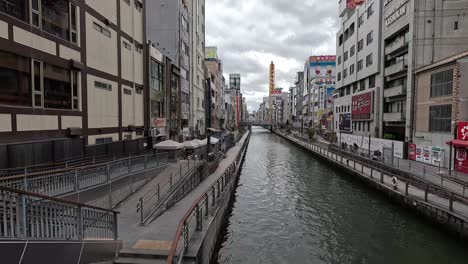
(292, 208)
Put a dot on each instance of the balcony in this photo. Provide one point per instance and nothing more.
(396, 68)
(395, 91)
(396, 45)
(394, 117)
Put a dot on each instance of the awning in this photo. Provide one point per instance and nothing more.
(191, 144)
(201, 142)
(458, 143)
(169, 145)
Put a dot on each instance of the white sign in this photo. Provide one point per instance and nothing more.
(375, 144)
(396, 13)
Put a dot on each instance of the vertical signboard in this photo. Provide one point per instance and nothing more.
(412, 151)
(345, 122)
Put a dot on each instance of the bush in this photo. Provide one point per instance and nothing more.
(311, 132)
(389, 136)
(332, 137)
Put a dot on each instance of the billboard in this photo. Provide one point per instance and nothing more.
(361, 106)
(322, 67)
(352, 4)
(329, 97)
(462, 131)
(211, 53)
(234, 81)
(345, 122)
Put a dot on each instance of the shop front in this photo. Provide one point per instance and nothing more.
(460, 146)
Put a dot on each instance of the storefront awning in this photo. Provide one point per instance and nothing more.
(458, 143)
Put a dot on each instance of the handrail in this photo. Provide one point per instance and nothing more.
(197, 207)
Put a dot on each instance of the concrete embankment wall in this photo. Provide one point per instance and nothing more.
(453, 222)
(210, 237)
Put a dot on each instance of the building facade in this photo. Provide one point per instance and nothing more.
(72, 75)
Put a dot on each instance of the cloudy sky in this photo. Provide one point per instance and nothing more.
(250, 34)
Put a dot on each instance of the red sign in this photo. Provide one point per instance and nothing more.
(412, 151)
(159, 122)
(462, 131)
(323, 58)
(362, 106)
(351, 4)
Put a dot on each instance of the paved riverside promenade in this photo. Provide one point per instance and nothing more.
(158, 235)
(454, 183)
(459, 209)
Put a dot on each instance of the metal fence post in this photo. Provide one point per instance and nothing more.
(451, 203)
(21, 211)
(198, 219)
(372, 173)
(140, 210)
(214, 190)
(409, 166)
(159, 196)
(115, 227)
(426, 193)
(406, 187)
(424, 171)
(381, 177)
(76, 180)
(79, 222)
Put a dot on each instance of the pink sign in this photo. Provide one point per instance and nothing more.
(362, 106)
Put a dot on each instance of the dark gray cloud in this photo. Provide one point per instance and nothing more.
(250, 34)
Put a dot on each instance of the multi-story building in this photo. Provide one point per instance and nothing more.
(298, 100)
(235, 87)
(167, 30)
(358, 83)
(215, 70)
(71, 75)
(197, 73)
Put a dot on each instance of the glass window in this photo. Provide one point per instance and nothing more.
(57, 87)
(369, 60)
(37, 83)
(17, 9)
(362, 85)
(370, 10)
(360, 65)
(55, 18)
(73, 24)
(442, 83)
(345, 56)
(15, 79)
(103, 140)
(360, 45)
(352, 50)
(370, 37)
(361, 20)
(440, 117)
(156, 81)
(75, 96)
(372, 81)
(351, 69)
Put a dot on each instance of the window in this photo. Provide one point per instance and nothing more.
(101, 85)
(57, 87)
(339, 76)
(106, 140)
(370, 37)
(138, 48)
(369, 60)
(139, 90)
(442, 83)
(455, 25)
(370, 10)
(360, 45)
(104, 31)
(352, 50)
(15, 79)
(345, 73)
(440, 118)
(17, 9)
(362, 85)
(361, 20)
(339, 60)
(359, 65)
(340, 40)
(73, 24)
(156, 76)
(351, 30)
(138, 6)
(351, 69)
(345, 56)
(372, 81)
(55, 17)
(157, 109)
(127, 137)
(127, 91)
(75, 93)
(36, 13)
(126, 45)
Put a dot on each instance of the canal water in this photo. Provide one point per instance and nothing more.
(293, 208)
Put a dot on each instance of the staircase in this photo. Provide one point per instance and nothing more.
(142, 256)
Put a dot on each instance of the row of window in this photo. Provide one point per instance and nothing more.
(33, 83)
(357, 87)
(369, 62)
(442, 83)
(350, 31)
(362, 126)
(440, 118)
(352, 50)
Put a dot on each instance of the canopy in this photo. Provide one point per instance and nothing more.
(458, 143)
(214, 140)
(191, 144)
(169, 145)
(201, 142)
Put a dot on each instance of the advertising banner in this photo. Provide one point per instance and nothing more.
(437, 156)
(362, 106)
(322, 67)
(419, 153)
(211, 53)
(412, 151)
(427, 154)
(345, 122)
(375, 143)
(329, 97)
(461, 163)
(462, 131)
(159, 122)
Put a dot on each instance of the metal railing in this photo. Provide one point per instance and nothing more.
(193, 219)
(25, 215)
(152, 199)
(71, 180)
(384, 177)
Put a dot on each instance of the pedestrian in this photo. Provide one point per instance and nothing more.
(394, 182)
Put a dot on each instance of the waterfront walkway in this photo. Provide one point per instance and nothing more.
(455, 207)
(158, 235)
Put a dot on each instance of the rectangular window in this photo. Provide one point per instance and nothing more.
(15, 79)
(127, 137)
(351, 69)
(369, 60)
(345, 56)
(73, 24)
(156, 76)
(157, 109)
(126, 45)
(138, 6)
(370, 37)
(340, 40)
(339, 60)
(361, 20)
(106, 140)
(138, 48)
(127, 91)
(75, 93)
(345, 73)
(455, 25)
(360, 65)
(17, 9)
(139, 90)
(36, 13)
(442, 83)
(360, 45)
(370, 10)
(352, 50)
(339, 76)
(351, 30)
(372, 81)
(55, 17)
(57, 87)
(101, 85)
(362, 85)
(37, 84)
(440, 118)
(104, 31)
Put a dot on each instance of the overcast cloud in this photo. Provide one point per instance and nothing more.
(250, 34)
